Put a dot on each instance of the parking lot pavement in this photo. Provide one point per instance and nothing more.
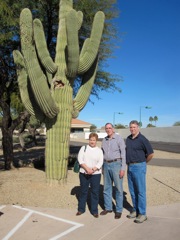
(30, 223)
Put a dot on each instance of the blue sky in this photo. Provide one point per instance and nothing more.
(148, 59)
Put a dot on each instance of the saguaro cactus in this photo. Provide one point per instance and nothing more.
(46, 86)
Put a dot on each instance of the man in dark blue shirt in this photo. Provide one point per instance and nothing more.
(138, 153)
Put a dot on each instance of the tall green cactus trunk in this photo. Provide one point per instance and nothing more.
(58, 137)
(46, 87)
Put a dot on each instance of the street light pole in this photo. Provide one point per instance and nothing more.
(114, 117)
(147, 107)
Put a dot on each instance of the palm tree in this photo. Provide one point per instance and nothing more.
(151, 119)
(155, 119)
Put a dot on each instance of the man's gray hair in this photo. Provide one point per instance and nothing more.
(134, 122)
(110, 124)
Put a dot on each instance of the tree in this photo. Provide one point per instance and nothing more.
(176, 123)
(93, 128)
(11, 107)
(150, 125)
(32, 126)
(7, 77)
(155, 119)
(119, 126)
(151, 119)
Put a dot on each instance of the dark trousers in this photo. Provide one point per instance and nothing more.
(94, 182)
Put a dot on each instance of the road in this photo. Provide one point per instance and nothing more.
(166, 146)
(162, 146)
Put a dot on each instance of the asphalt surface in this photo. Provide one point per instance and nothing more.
(166, 146)
(162, 146)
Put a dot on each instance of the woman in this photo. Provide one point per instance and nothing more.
(90, 158)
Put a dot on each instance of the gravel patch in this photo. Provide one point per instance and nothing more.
(27, 186)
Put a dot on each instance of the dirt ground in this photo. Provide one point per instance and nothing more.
(27, 186)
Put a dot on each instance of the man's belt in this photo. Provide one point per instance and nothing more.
(132, 163)
(113, 160)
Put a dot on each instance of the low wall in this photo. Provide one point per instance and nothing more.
(156, 134)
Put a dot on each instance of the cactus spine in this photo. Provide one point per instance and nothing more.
(46, 87)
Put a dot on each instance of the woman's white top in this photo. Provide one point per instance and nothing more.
(92, 157)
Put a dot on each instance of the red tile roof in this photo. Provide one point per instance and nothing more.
(79, 122)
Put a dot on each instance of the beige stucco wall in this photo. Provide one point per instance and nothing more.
(159, 134)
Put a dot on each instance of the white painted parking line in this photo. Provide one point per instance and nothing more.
(19, 225)
(65, 233)
(50, 216)
(30, 212)
(3, 206)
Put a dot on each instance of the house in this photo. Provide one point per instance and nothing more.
(77, 126)
(80, 126)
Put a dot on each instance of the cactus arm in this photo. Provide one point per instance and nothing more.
(80, 19)
(85, 90)
(49, 78)
(37, 78)
(72, 43)
(85, 47)
(75, 112)
(41, 47)
(22, 80)
(31, 106)
(88, 63)
(64, 7)
(88, 57)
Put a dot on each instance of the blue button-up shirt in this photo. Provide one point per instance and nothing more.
(114, 148)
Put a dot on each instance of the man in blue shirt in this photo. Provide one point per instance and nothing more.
(138, 153)
(114, 166)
